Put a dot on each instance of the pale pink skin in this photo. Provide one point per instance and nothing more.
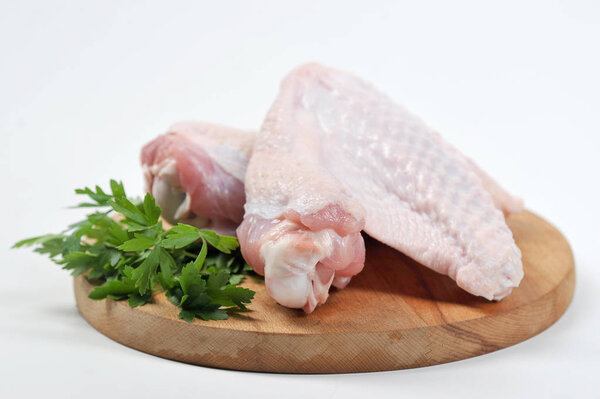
(195, 171)
(334, 153)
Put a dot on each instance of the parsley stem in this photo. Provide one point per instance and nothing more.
(189, 254)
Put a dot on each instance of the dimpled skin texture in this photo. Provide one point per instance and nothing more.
(196, 170)
(331, 141)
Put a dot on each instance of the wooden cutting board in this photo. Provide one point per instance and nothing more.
(396, 314)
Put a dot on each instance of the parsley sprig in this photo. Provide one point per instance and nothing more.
(123, 246)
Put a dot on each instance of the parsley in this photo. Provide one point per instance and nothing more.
(123, 246)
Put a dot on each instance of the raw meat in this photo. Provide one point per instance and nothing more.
(196, 171)
(335, 156)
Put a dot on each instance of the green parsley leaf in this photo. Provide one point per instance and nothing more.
(78, 262)
(118, 191)
(167, 263)
(187, 315)
(129, 210)
(112, 287)
(181, 236)
(225, 244)
(211, 313)
(139, 243)
(136, 299)
(239, 296)
(39, 240)
(142, 275)
(99, 197)
(151, 210)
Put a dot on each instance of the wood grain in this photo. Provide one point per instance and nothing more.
(396, 314)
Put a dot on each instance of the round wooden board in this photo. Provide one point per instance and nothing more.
(396, 314)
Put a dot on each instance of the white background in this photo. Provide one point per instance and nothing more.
(83, 85)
